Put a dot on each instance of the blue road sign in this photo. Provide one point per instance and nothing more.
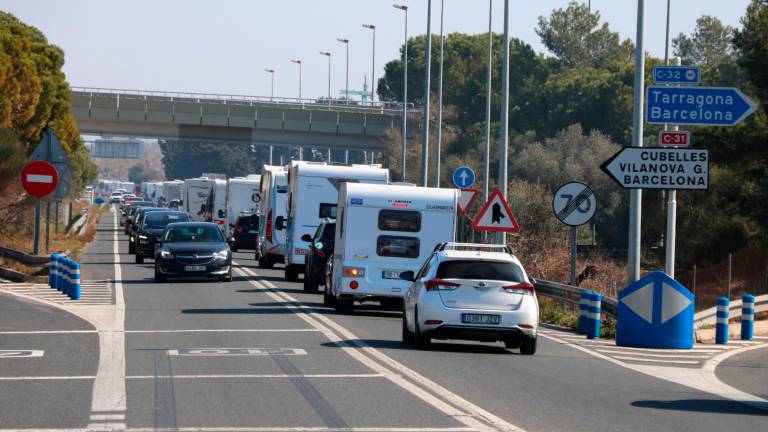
(703, 106)
(463, 177)
(655, 312)
(680, 75)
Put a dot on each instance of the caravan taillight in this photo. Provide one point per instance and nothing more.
(269, 227)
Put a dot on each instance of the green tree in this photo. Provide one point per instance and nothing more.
(708, 45)
(575, 36)
(751, 43)
(142, 172)
(188, 159)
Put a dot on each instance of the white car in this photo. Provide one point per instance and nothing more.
(471, 292)
(116, 197)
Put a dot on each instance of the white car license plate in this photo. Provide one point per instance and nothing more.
(389, 274)
(194, 268)
(480, 318)
(251, 231)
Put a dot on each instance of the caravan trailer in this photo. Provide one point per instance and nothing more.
(197, 198)
(219, 205)
(243, 196)
(313, 191)
(382, 231)
(270, 247)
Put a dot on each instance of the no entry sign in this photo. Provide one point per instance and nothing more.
(39, 178)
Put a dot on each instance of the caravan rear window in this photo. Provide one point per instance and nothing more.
(399, 220)
(327, 210)
(395, 246)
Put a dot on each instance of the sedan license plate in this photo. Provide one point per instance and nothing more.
(468, 318)
(251, 231)
(389, 274)
(194, 268)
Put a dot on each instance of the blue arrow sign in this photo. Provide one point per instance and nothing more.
(680, 75)
(703, 106)
(463, 177)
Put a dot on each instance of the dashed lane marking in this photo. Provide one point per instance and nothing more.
(638, 359)
(226, 352)
(46, 332)
(211, 376)
(12, 354)
(266, 429)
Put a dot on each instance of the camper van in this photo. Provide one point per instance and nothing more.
(219, 205)
(197, 199)
(381, 231)
(243, 196)
(313, 191)
(270, 247)
(172, 190)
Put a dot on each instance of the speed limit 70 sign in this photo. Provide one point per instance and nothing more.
(574, 203)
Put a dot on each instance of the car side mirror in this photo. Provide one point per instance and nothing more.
(307, 238)
(230, 240)
(407, 275)
(280, 223)
(533, 281)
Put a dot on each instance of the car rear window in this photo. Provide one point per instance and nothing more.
(480, 269)
(248, 221)
(327, 210)
(400, 220)
(396, 246)
(155, 220)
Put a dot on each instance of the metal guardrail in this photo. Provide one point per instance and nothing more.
(709, 316)
(393, 108)
(28, 260)
(572, 294)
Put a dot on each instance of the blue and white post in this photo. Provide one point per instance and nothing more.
(593, 315)
(67, 275)
(583, 306)
(74, 291)
(52, 271)
(721, 329)
(747, 317)
(59, 282)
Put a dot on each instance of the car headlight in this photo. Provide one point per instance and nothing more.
(221, 255)
(143, 239)
(165, 254)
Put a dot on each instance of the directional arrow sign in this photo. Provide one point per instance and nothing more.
(659, 168)
(463, 177)
(496, 216)
(703, 106)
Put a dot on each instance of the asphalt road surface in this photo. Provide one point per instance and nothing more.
(259, 354)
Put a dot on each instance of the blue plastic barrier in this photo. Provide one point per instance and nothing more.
(52, 271)
(721, 329)
(74, 292)
(747, 317)
(593, 315)
(583, 305)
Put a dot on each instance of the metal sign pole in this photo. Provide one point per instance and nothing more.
(36, 246)
(574, 246)
(56, 218)
(47, 226)
(635, 195)
(504, 129)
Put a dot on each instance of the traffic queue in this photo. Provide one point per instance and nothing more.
(347, 228)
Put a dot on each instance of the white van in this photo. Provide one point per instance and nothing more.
(270, 247)
(219, 204)
(172, 190)
(313, 191)
(197, 199)
(382, 231)
(243, 196)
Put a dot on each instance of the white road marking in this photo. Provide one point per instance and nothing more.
(227, 352)
(109, 386)
(227, 331)
(639, 353)
(267, 429)
(469, 414)
(657, 350)
(44, 378)
(45, 332)
(654, 360)
(20, 353)
(257, 376)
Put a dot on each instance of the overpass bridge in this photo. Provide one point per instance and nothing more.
(256, 120)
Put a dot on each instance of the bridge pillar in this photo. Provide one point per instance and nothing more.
(270, 155)
(346, 156)
(329, 155)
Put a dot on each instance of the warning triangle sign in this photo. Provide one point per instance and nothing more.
(466, 198)
(496, 216)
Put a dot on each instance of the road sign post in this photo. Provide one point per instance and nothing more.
(39, 179)
(574, 204)
(463, 177)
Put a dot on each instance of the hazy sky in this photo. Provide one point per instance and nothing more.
(223, 46)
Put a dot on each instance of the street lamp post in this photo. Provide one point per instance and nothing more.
(439, 101)
(272, 73)
(504, 130)
(405, 86)
(346, 88)
(486, 166)
(328, 54)
(427, 72)
(298, 62)
(373, 62)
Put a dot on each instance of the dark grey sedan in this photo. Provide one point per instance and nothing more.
(193, 249)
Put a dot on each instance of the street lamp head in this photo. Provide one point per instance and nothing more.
(269, 71)
(296, 61)
(401, 7)
(325, 53)
(343, 40)
(369, 26)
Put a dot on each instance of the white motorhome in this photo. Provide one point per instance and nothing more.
(197, 198)
(382, 231)
(219, 204)
(313, 191)
(172, 190)
(243, 196)
(270, 248)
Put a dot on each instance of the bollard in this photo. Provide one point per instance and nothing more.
(64, 270)
(583, 305)
(747, 317)
(59, 282)
(721, 329)
(52, 271)
(74, 292)
(593, 315)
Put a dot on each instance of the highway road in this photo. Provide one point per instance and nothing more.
(259, 354)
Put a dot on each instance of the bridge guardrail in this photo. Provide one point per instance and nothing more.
(28, 260)
(572, 294)
(301, 103)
